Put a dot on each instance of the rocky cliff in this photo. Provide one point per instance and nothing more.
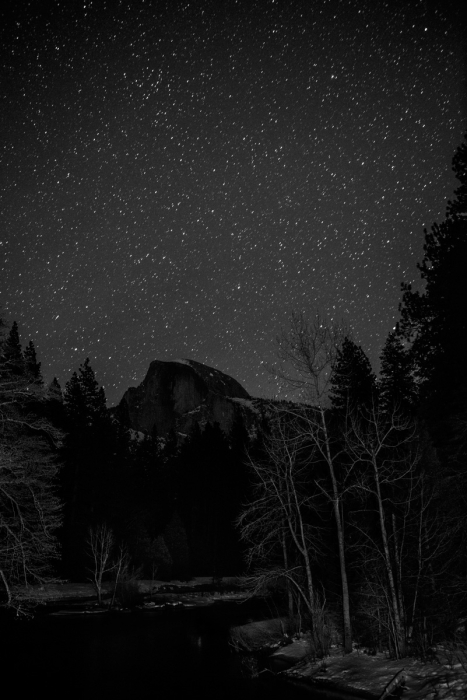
(176, 395)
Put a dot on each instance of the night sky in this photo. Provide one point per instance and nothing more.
(178, 177)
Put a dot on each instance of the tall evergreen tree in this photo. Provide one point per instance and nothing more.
(89, 454)
(397, 387)
(54, 404)
(458, 207)
(353, 383)
(434, 320)
(32, 366)
(12, 352)
(85, 399)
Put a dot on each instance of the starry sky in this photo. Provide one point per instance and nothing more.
(177, 177)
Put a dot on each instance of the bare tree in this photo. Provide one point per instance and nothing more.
(121, 567)
(101, 544)
(374, 451)
(30, 511)
(308, 352)
(411, 545)
(275, 519)
(385, 450)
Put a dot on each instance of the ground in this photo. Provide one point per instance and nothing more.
(442, 679)
(358, 674)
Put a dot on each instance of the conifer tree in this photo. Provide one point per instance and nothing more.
(12, 352)
(54, 404)
(353, 383)
(32, 366)
(85, 399)
(434, 321)
(458, 207)
(54, 392)
(397, 387)
(89, 456)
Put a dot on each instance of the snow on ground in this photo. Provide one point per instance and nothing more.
(443, 679)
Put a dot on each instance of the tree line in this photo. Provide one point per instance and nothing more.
(163, 499)
(362, 480)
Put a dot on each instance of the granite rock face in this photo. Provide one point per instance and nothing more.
(177, 395)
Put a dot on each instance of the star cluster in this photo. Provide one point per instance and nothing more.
(177, 177)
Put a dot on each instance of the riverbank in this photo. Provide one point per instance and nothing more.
(444, 678)
(357, 674)
(201, 590)
(360, 674)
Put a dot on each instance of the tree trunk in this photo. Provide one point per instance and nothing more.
(398, 627)
(400, 596)
(340, 539)
(287, 582)
(345, 586)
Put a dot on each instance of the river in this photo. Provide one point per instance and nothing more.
(169, 653)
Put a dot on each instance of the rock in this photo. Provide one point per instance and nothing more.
(258, 635)
(177, 395)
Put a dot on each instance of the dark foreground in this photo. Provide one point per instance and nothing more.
(167, 653)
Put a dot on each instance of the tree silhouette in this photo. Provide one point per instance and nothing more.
(88, 452)
(32, 366)
(353, 383)
(397, 387)
(12, 353)
(434, 322)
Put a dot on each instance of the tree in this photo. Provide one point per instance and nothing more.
(434, 321)
(434, 325)
(385, 455)
(12, 353)
(353, 384)
(277, 514)
(85, 399)
(88, 456)
(309, 353)
(458, 207)
(32, 366)
(404, 527)
(100, 544)
(30, 511)
(397, 387)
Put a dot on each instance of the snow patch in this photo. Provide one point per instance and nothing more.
(247, 403)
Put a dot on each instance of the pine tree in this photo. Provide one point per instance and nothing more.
(434, 321)
(89, 455)
(32, 366)
(397, 387)
(12, 352)
(353, 383)
(85, 399)
(458, 207)
(54, 391)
